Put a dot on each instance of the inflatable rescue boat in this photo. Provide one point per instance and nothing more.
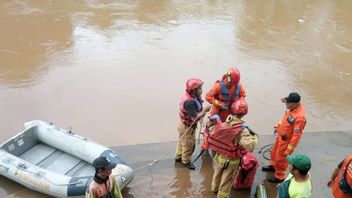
(55, 161)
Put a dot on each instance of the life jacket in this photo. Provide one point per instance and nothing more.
(343, 182)
(184, 117)
(225, 93)
(221, 138)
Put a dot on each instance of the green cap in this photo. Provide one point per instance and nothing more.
(302, 162)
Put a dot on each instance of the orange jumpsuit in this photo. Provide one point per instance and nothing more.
(336, 191)
(289, 131)
(214, 97)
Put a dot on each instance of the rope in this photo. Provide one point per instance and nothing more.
(200, 118)
(201, 125)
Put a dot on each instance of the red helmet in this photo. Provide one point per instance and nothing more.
(234, 75)
(193, 83)
(239, 107)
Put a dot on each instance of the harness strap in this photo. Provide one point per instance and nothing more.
(200, 154)
(226, 164)
(237, 91)
(225, 92)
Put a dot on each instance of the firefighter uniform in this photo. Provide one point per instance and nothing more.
(190, 107)
(186, 143)
(225, 167)
(220, 95)
(225, 92)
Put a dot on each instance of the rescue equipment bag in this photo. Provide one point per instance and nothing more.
(246, 172)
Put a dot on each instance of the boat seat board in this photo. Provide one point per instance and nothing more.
(76, 168)
(86, 170)
(59, 162)
(37, 153)
(50, 158)
(21, 143)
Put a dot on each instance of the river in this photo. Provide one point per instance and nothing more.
(115, 71)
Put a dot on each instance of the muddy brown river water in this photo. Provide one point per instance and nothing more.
(115, 71)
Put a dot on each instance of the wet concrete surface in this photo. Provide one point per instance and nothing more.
(166, 178)
(169, 179)
(98, 65)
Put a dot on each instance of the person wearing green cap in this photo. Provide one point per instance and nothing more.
(298, 183)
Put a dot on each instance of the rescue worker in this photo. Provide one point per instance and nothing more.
(240, 138)
(103, 184)
(191, 110)
(289, 131)
(298, 184)
(224, 92)
(341, 179)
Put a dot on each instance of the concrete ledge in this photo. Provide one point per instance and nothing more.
(169, 179)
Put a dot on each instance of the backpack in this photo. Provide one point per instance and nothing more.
(343, 184)
(283, 189)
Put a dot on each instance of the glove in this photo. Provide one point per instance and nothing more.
(215, 117)
(224, 106)
(255, 138)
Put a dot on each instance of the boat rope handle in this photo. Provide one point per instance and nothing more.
(23, 167)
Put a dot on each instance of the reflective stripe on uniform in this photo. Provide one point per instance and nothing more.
(225, 160)
(224, 194)
(289, 147)
(216, 103)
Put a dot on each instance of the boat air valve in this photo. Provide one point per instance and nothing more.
(70, 130)
(22, 166)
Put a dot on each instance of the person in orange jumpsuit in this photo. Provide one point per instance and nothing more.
(341, 179)
(289, 131)
(224, 92)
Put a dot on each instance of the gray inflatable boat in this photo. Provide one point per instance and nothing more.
(55, 161)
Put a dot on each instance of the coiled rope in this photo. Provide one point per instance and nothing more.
(266, 151)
